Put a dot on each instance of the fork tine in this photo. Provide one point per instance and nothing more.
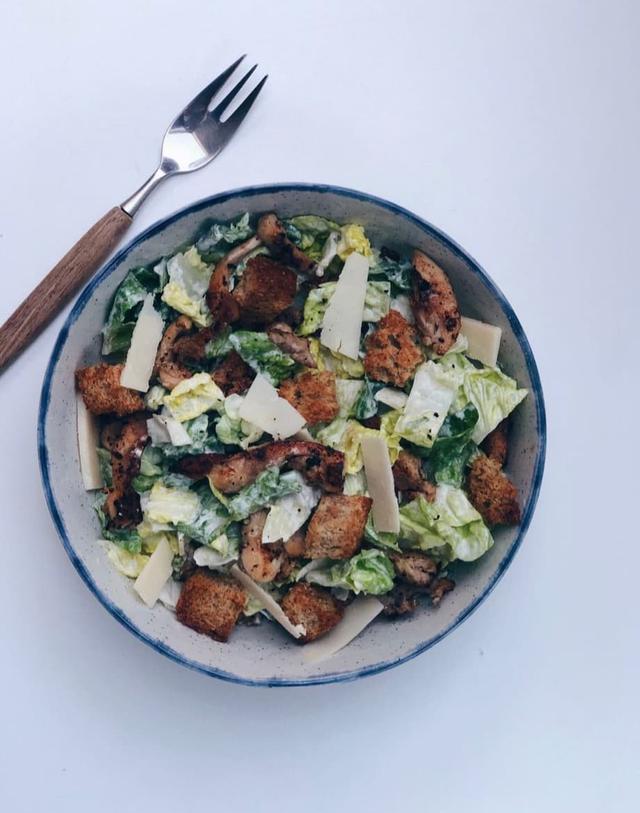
(220, 108)
(236, 118)
(197, 107)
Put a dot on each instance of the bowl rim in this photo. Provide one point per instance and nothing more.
(243, 193)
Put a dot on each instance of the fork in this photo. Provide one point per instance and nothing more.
(193, 139)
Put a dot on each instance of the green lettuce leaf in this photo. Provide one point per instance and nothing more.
(388, 264)
(432, 393)
(193, 397)
(268, 486)
(310, 232)
(376, 305)
(450, 526)
(262, 355)
(346, 435)
(381, 539)
(188, 282)
(366, 405)
(494, 395)
(218, 238)
(127, 301)
(127, 538)
(231, 429)
(210, 521)
(370, 572)
(453, 447)
(347, 395)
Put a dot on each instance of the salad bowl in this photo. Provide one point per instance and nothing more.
(266, 655)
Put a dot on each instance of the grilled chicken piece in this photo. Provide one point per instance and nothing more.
(408, 477)
(261, 562)
(434, 305)
(414, 567)
(271, 232)
(439, 589)
(167, 368)
(192, 349)
(402, 600)
(125, 440)
(231, 473)
(222, 305)
(233, 375)
(102, 392)
(297, 347)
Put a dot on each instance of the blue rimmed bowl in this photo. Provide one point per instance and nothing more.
(264, 655)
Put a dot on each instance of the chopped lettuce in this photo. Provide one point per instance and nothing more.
(342, 366)
(154, 396)
(376, 304)
(168, 505)
(366, 405)
(218, 238)
(450, 526)
(202, 440)
(353, 238)
(188, 282)
(127, 538)
(310, 233)
(211, 519)
(494, 395)
(129, 564)
(347, 395)
(193, 397)
(262, 355)
(129, 296)
(453, 447)
(268, 486)
(381, 539)
(220, 345)
(288, 514)
(431, 396)
(388, 264)
(346, 435)
(221, 551)
(231, 429)
(370, 572)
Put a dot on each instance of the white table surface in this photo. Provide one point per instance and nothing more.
(515, 127)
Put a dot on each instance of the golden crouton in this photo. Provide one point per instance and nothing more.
(266, 289)
(392, 352)
(316, 609)
(233, 375)
(496, 445)
(211, 604)
(337, 526)
(102, 392)
(492, 494)
(313, 394)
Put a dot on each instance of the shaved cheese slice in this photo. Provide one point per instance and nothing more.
(396, 399)
(288, 514)
(144, 346)
(88, 442)
(484, 340)
(166, 429)
(268, 602)
(155, 574)
(342, 321)
(263, 407)
(377, 468)
(358, 615)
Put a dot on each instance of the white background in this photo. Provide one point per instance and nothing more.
(515, 127)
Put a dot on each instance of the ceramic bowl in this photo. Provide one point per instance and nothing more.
(265, 655)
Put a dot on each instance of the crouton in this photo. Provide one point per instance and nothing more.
(337, 526)
(211, 604)
(266, 289)
(414, 567)
(434, 305)
(392, 352)
(313, 394)
(261, 562)
(439, 589)
(408, 477)
(316, 609)
(496, 444)
(492, 493)
(102, 392)
(233, 375)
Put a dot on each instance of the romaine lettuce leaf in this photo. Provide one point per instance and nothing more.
(268, 486)
(353, 238)
(262, 355)
(188, 282)
(494, 395)
(212, 518)
(346, 435)
(450, 526)
(222, 550)
(381, 539)
(123, 313)
(288, 514)
(218, 238)
(129, 564)
(193, 397)
(127, 538)
(347, 395)
(453, 447)
(231, 429)
(370, 572)
(309, 232)
(169, 505)
(376, 305)
(342, 366)
(432, 393)
(366, 405)
(388, 264)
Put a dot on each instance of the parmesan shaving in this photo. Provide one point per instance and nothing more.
(268, 602)
(484, 340)
(396, 399)
(377, 467)
(358, 615)
(342, 321)
(155, 574)
(263, 407)
(144, 346)
(88, 442)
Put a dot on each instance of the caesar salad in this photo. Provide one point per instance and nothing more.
(293, 424)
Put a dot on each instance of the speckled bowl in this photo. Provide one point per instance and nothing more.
(265, 655)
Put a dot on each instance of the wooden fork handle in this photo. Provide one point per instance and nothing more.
(55, 290)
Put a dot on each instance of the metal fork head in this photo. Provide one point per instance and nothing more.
(198, 134)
